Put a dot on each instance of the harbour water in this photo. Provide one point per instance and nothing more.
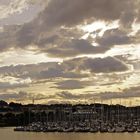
(9, 134)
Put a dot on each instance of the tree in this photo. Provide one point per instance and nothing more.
(3, 103)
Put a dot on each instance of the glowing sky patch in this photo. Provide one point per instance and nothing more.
(24, 57)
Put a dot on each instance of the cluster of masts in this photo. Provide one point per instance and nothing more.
(94, 118)
(94, 127)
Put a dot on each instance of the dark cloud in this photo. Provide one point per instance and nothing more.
(97, 65)
(39, 32)
(75, 47)
(58, 72)
(16, 96)
(114, 37)
(41, 71)
(24, 96)
(4, 2)
(21, 70)
(54, 32)
(8, 37)
(138, 10)
(133, 92)
(70, 71)
(8, 85)
(72, 84)
(50, 73)
(105, 65)
(61, 12)
(136, 38)
(72, 68)
(26, 35)
(127, 19)
(56, 101)
(65, 95)
(68, 95)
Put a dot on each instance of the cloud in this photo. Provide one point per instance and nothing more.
(4, 2)
(58, 73)
(17, 96)
(75, 47)
(62, 45)
(96, 65)
(114, 37)
(74, 67)
(72, 84)
(105, 65)
(68, 95)
(69, 73)
(20, 76)
(8, 38)
(26, 69)
(69, 13)
(18, 12)
(9, 7)
(7, 96)
(133, 92)
(55, 32)
(61, 12)
(17, 84)
(22, 96)
(65, 95)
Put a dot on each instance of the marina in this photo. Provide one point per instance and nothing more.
(83, 118)
(80, 127)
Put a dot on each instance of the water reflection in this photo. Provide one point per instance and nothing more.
(8, 133)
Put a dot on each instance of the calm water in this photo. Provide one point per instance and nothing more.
(9, 134)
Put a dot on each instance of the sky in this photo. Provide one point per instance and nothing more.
(70, 51)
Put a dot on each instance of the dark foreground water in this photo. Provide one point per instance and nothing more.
(9, 134)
